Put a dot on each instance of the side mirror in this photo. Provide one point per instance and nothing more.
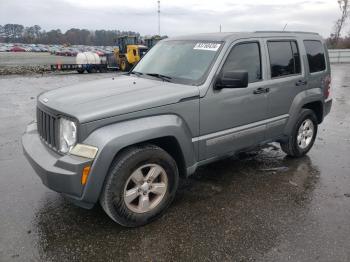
(232, 79)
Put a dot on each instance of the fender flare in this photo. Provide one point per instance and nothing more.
(111, 139)
(300, 100)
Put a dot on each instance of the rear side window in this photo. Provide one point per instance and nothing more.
(315, 55)
(284, 58)
(245, 56)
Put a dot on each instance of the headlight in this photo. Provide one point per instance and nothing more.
(68, 135)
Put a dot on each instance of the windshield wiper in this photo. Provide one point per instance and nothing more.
(136, 73)
(160, 76)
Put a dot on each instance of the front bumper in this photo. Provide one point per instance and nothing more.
(61, 173)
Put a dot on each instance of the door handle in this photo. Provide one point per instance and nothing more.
(261, 90)
(301, 82)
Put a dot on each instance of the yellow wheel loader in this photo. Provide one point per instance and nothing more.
(128, 52)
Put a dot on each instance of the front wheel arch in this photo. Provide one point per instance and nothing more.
(169, 144)
(112, 139)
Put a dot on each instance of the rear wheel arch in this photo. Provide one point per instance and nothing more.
(304, 100)
(291, 146)
(317, 108)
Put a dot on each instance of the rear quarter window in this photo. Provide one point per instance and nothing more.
(315, 55)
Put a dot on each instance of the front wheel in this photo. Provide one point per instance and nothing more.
(141, 184)
(124, 64)
(303, 135)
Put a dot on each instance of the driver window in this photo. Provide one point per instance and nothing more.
(245, 56)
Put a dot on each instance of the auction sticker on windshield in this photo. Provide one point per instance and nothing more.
(207, 46)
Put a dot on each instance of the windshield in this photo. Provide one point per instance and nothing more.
(185, 62)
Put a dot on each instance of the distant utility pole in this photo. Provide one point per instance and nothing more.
(158, 17)
(220, 28)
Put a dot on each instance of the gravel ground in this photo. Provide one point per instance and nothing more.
(260, 206)
(30, 62)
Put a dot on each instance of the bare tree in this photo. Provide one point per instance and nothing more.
(344, 6)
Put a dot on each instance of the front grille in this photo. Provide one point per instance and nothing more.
(47, 127)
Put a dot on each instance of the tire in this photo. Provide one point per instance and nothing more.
(120, 180)
(80, 70)
(91, 70)
(298, 148)
(124, 64)
(103, 70)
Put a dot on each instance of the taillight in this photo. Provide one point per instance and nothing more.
(327, 86)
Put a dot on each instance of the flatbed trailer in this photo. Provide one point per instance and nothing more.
(90, 68)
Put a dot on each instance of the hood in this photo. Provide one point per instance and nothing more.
(109, 97)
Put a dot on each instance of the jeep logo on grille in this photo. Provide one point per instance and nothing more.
(45, 100)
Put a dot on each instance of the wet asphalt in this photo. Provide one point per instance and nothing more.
(258, 206)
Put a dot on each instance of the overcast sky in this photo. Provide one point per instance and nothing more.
(177, 17)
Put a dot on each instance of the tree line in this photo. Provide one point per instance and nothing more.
(339, 42)
(16, 33)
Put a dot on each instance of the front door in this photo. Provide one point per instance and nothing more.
(234, 118)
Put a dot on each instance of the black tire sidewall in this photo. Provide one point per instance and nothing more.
(120, 174)
(305, 114)
(126, 65)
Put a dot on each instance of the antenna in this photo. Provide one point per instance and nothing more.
(284, 28)
(158, 17)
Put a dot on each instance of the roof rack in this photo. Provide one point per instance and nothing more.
(296, 32)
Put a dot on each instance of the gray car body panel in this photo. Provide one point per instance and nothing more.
(112, 138)
(111, 97)
(207, 124)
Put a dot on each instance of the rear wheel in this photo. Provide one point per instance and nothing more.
(140, 185)
(103, 69)
(303, 135)
(91, 70)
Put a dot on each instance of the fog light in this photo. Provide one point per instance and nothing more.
(84, 151)
(85, 175)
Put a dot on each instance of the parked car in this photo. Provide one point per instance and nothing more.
(125, 141)
(100, 53)
(17, 49)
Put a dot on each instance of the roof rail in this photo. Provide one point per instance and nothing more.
(296, 32)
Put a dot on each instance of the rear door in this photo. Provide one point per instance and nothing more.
(286, 76)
